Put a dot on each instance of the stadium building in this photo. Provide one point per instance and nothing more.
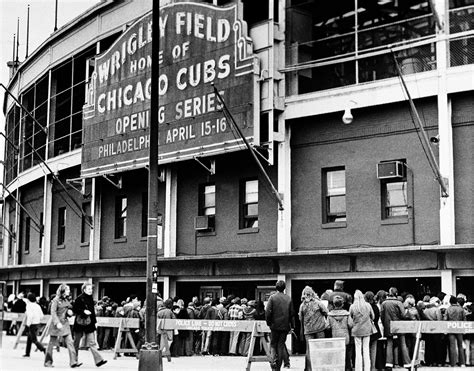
(356, 183)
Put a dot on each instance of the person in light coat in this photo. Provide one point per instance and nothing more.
(312, 315)
(61, 310)
(33, 321)
(362, 316)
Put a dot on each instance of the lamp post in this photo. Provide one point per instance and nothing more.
(150, 355)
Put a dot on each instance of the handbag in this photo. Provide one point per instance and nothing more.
(373, 328)
(83, 320)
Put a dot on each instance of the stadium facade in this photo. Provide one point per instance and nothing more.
(354, 187)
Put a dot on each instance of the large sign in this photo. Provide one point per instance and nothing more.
(200, 46)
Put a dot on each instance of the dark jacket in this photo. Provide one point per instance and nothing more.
(455, 313)
(82, 303)
(391, 310)
(19, 306)
(378, 334)
(279, 313)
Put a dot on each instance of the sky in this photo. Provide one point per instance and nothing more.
(41, 27)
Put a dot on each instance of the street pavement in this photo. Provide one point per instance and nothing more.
(12, 360)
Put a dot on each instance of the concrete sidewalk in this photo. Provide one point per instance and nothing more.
(12, 360)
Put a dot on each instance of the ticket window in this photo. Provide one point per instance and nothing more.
(213, 292)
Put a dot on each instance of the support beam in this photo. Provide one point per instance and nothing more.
(171, 207)
(448, 282)
(47, 218)
(94, 240)
(445, 129)
(169, 287)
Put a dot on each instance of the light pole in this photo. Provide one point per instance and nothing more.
(150, 355)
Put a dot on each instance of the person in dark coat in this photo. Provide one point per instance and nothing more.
(84, 323)
(370, 298)
(339, 291)
(18, 306)
(392, 310)
(280, 317)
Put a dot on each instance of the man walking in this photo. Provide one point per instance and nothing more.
(280, 317)
(33, 321)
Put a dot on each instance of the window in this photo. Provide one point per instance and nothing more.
(61, 225)
(394, 197)
(10, 240)
(86, 219)
(207, 199)
(40, 240)
(334, 195)
(27, 234)
(144, 214)
(249, 214)
(121, 217)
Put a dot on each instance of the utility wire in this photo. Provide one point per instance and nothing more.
(422, 133)
(39, 225)
(24, 109)
(249, 147)
(10, 233)
(82, 214)
(55, 177)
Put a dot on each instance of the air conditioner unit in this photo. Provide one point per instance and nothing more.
(204, 223)
(390, 170)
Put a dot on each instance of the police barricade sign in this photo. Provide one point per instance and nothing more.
(432, 327)
(258, 329)
(429, 327)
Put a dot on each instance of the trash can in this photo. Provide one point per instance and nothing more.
(327, 354)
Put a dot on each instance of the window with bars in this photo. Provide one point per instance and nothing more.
(61, 226)
(249, 204)
(68, 82)
(120, 217)
(334, 195)
(12, 131)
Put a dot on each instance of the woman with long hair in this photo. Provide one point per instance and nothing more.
(312, 315)
(370, 298)
(61, 310)
(362, 316)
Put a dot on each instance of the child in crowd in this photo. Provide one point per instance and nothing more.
(340, 325)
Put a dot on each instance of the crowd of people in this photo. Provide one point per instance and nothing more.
(362, 319)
